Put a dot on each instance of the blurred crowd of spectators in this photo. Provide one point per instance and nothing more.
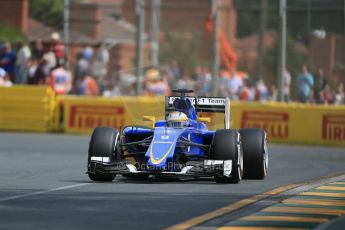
(39, 64)
(240, 86)
(317, 89)
(43, 64)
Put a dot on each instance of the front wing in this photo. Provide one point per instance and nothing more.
(204, 168)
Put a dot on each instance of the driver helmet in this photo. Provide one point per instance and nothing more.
(177, 119)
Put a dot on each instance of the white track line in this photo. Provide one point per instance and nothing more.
(42, 192)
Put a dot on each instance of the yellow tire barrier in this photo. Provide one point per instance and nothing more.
(284, 123)
(294, 123)
(28, 108)
(82, 114)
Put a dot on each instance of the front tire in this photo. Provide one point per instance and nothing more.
(226, 146)
(103, 143)
(255, 154)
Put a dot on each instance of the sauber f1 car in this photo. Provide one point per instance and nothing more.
(180, 146)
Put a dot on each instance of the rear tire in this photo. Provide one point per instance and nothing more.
(225, 147)
(103, 143)
(255, 154)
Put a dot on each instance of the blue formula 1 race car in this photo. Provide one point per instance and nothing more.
(180, 146)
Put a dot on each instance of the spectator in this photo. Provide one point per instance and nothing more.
(305, 83)
(50, 59)
(88, 86)
(168, 78)
(197, 74)
(7, 59)
(87, 53)
(108, 90)
(60, 80)
(57, 47)
(32, 68)
(37, 74)
(261, 91)
(37, 50)
(286, 85)
(165, 78)
(100, 64)
(233, 85)
(116, 90)
(223, 79)
(83, 63)
(273, 93)
(185, 82)
(154, 85)
(247, 91)
(326, 95)
(126, 85)
(320, 83)
(23, 57)
(5, 80)
(205, 82)
(175, 69)
(339, 98)
(197, 77)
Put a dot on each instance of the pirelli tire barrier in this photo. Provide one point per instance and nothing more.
(284, 123)
(28, 108)
(82, 114)
(294, 123)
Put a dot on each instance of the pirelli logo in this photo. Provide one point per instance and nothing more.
(276, 124)
(90, 116)
(333, 127)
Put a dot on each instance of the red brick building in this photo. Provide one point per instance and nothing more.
(189, 18)
(113, 22)
(329, 54)
(15, 12)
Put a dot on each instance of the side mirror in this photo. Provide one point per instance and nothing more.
(204, 119)
(150, 118)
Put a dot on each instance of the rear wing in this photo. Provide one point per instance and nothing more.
(204, 104)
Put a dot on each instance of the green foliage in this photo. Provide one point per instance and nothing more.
(11, 34)
(49, 12)
(294, 60)
(323, 14)
(248, 16)
(183, 49)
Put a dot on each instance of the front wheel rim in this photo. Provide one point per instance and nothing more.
(265, 156)
(240, 157)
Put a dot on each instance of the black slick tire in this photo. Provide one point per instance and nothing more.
(255, 154)
(103, 144)
(225, 147)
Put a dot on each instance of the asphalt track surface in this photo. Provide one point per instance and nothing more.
(43, 185)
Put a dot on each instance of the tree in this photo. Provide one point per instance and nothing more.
(322, 14)
(49, 12)
(295, 58)
(182, 48)
(11, 34)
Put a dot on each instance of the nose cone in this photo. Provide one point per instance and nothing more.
(162, 146)
(160, 152)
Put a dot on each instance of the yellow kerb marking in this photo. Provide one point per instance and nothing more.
(286, 218)
(229, 208)
(327, 194)
(324, 211)
(332, 188)
(338, 183)
(316, 202)
(256, 228)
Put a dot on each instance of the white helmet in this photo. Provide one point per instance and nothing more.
(177, 119)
